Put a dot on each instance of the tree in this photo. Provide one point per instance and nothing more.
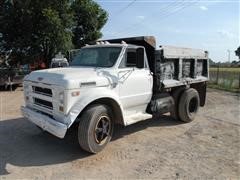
(53, 28)
(211, 63)
(35, 29)
(89, 18)
(237, 52)
(38, 29)
(15, 27)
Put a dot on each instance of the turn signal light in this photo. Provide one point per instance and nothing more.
(61, 109)
(75, 93)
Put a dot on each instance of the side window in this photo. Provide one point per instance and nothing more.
(131, 60)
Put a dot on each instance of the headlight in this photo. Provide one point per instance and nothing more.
(26, 88)
(61, 97)
(61, 108)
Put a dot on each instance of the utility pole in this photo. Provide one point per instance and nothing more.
(228, 55)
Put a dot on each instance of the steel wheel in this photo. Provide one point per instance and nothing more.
(95, 128)
(102, 130)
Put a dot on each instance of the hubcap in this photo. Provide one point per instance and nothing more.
(102, 130)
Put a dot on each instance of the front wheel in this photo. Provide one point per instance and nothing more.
(95, 128)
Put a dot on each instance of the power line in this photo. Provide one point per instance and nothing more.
(169, 10)
(124, 8)
(164, 9)
(180, 8)
(178, 5)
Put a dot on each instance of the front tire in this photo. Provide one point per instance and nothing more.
(95, 128)
(188, 105)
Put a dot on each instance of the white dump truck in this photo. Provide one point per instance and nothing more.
(118, 81)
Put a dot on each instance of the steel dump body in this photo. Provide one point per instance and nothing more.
(176, 66)
(171, 66)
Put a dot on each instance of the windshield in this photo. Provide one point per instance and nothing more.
(97, 57)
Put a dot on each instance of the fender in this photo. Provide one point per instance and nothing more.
(87, 97)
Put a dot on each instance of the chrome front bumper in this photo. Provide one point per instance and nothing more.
(46, 123)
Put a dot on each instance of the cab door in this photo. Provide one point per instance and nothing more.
(135, 79)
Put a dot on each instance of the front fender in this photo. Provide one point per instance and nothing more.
(89, 96)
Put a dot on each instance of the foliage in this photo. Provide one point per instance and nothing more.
(37, 29)
(89, 17)
(233, 64)
(237, 52)
(211, 62)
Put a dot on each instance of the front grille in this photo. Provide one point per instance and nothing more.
(43, 103)
(43, 91)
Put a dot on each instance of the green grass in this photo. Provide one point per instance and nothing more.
(225, 88)
(228, 79)
(225, 69)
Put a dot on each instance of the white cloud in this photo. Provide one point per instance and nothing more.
(225, 33)
(204, 8)
(140, 18)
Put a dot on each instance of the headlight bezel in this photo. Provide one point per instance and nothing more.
(61, 96)
(26, 88)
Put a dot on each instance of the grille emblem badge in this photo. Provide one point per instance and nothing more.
(40, 78)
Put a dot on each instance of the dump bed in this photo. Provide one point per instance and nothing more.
(175, 66)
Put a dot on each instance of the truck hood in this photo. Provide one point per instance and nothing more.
(70, 77)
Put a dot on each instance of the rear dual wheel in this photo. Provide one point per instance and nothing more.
(187, 105)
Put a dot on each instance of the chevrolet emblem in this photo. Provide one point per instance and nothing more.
(40, 78)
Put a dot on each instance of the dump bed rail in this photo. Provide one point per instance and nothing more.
(170, 52)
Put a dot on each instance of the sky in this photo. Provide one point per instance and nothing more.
(212, 25)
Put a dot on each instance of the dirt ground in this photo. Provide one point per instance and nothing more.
(162, 148)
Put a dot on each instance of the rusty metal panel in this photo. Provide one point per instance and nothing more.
(170, 83)
(168, 70)
(139, 40)
(187, 53)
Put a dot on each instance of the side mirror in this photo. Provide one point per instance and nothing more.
(140, 58)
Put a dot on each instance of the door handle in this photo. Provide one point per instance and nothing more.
(150, 74)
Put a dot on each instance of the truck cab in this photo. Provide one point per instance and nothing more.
(111, 82)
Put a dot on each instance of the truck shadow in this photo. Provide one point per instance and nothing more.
(163, 120)
(23, 144)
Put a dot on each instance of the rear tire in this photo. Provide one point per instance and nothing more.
(95, 128)
(188, 105)
(176, 96)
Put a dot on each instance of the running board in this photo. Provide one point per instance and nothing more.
(136, 118)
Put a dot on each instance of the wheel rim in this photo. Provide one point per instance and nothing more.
(102, 130)
(192, 105)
